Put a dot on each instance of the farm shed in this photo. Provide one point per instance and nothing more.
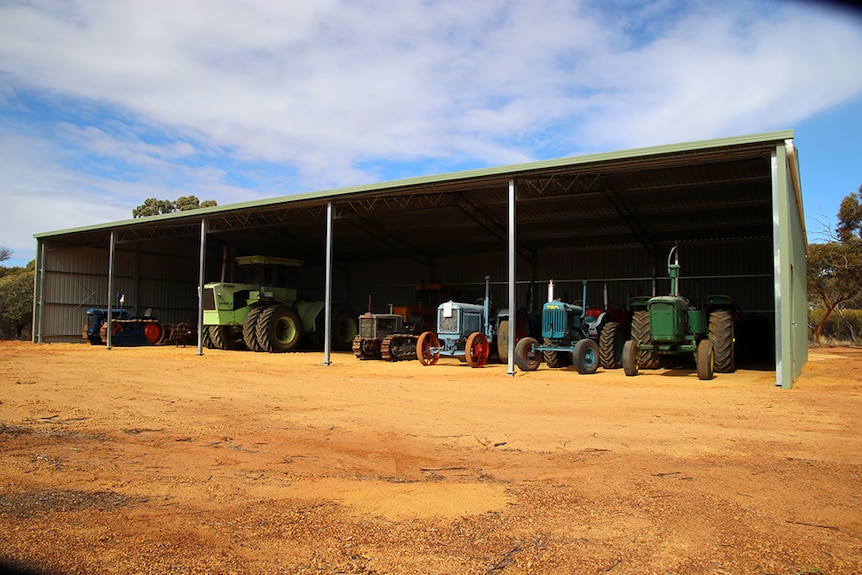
(732, 205)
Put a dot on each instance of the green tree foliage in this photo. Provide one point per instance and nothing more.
(154, 207)
(850, 217)
(835, 268)
(16, 300)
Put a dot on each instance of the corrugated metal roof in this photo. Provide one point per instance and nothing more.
(697, 191)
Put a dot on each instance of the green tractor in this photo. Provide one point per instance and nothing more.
(670, 326)
(261, 317)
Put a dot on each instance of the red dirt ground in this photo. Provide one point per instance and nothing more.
(157, 460)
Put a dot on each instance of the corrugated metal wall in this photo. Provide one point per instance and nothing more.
(76, 279)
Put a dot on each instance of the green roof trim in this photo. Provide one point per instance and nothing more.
(777, 137)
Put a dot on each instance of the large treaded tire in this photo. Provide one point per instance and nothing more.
(279, 329)
(249, 329)
(611, 342)
(345, 327)
(206, 338)
(641, 335)
(722, 336)
(227, 337)
(705, 358)
(556, 359)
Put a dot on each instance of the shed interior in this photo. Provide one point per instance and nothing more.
(607, 219)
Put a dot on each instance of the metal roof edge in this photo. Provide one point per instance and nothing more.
(778, 137)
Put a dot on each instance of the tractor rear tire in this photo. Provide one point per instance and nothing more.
(525, 357)
(206, 338)
(503, 341)
(630, 358)
(227, 337)
(585, 358)
(345, 327)
(279, 329)
(611, 346)
(647, 359)
(705, 360)
(556, 359)
(723, 338)
(249, 329)
(503, 344)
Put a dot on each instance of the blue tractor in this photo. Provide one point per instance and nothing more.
(126, 330)
(464, 330)
(565, 338)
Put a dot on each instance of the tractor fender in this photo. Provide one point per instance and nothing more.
(308, 312)
(713, 302)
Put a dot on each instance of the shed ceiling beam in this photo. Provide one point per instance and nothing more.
(401, 246)
(628, 217)
(558, 185)
(496, 229)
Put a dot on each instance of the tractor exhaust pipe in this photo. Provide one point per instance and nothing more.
(584, 301)
(673, 271)
(551, 290)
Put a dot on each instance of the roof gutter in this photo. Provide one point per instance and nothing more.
(793, 161)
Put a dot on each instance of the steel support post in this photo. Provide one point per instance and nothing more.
(201, 270)
(327, 306)
(513, 318)
(39, 289)
(111, 289)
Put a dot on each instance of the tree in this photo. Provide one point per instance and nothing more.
(850, 217)
(185, 203)
(5, 254)
(154, 207)
(16, 299)
(835, 268)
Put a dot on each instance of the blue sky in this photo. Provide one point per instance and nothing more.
(104, 103)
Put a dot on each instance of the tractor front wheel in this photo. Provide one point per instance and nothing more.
(427, 340)
(722, 336)
(249, 329)
(228, 337)
(630, 357)
(525, 357)
(585, 358)
(279, 329)
(705, 360)
(477, 349)
(641, 334)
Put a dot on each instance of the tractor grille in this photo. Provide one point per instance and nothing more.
(366, 328)
(554, 325)
(447, 324)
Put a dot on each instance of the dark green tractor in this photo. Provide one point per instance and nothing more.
(671, 326)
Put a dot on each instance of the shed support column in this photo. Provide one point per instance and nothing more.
(513, 318)
(110, 307)
(202, 259)
(39, 291)
(776, 250)
(327, 306)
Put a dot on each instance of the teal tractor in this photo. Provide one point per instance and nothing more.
(671, 327)
(465, 331)
(566, 339)
(262, 315)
